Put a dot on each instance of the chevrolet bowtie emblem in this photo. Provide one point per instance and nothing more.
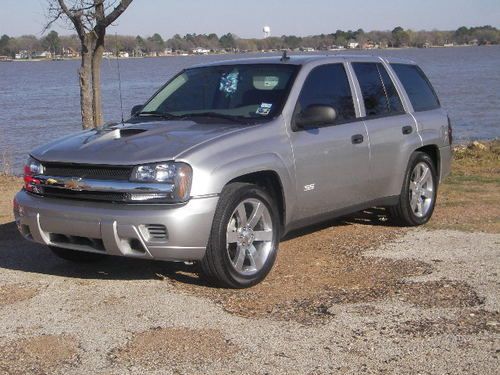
(51, 181)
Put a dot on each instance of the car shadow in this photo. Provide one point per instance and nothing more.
(18, 254)
(375, 216)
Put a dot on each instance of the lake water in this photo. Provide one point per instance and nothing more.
(39, 101)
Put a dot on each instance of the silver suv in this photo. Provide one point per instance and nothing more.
(226, 158)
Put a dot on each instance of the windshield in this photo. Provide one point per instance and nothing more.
(238, 91)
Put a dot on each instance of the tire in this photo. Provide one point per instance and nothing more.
(76, 256)
(419, 192)
(239, 255)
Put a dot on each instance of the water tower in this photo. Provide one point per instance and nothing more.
(267, 31)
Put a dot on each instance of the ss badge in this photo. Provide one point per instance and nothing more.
(309, 187)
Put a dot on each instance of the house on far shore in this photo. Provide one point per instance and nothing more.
(25, 55)
(370, 44)
(22, 55)
(42, 55)
(352, 44)
(201, 51)
(70, 53)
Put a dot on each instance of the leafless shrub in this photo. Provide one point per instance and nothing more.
(6, 163)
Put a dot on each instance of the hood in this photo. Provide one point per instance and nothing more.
(132, 144)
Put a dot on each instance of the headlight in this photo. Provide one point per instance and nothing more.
(32, 169)
(178, 174)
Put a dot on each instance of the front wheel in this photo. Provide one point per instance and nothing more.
(244, 238)
(419, 191)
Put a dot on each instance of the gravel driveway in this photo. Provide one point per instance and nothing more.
(122, 316)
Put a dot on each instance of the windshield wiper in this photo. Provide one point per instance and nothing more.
(239, 119)
(164, 115)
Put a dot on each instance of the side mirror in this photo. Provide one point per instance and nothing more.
(316, 116)
(136, 109)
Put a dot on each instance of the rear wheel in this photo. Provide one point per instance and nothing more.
(418, 194)
(75, 255)
(244, 238)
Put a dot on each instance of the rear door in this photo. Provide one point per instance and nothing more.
(332, 160)
(391, 130)
(431, 118)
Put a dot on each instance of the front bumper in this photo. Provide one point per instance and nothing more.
(118, 229)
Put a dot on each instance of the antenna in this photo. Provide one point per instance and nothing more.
(284, 57)
(119, 77)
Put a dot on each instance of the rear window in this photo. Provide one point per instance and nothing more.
(422, 95)
(379, 93)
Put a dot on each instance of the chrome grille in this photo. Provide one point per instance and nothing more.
(86, 195)
(87, 171)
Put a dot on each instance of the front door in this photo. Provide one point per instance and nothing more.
(331, 160)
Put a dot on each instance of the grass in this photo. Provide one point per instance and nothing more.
(469, 198)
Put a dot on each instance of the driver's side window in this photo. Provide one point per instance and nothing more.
(327, 85)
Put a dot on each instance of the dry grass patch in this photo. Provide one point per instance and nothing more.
(9, 186)
(174, 346)
(469, 198)
(10, 294)
(46, 354)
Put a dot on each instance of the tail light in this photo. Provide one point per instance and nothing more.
(450, 131)
(32, 169)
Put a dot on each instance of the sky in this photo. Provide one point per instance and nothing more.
(247, 18)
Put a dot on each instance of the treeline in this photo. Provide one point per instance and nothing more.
(155, 44)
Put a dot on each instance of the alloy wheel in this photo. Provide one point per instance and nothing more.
(249, 236)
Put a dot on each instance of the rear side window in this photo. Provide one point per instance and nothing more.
(328, 85)
(417, 86)
(379, 94)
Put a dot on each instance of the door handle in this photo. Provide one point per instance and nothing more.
(407, 130)
(357, 139)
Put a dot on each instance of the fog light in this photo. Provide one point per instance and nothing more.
(148, 197)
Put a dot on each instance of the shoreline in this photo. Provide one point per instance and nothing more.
(345, 50)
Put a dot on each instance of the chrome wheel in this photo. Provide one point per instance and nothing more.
(249, 236)
(421, 190)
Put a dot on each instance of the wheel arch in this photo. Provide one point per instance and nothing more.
(271, 182)
(268, 170)
(433, 151)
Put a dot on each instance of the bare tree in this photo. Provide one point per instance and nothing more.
(89, 18)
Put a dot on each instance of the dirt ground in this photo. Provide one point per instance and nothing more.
(355, 295)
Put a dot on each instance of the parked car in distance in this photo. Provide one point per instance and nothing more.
(227, 158)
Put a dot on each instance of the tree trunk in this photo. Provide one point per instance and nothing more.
(96, 82)
(85, 75)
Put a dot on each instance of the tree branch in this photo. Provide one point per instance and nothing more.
(75, 17)
(119, 9)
